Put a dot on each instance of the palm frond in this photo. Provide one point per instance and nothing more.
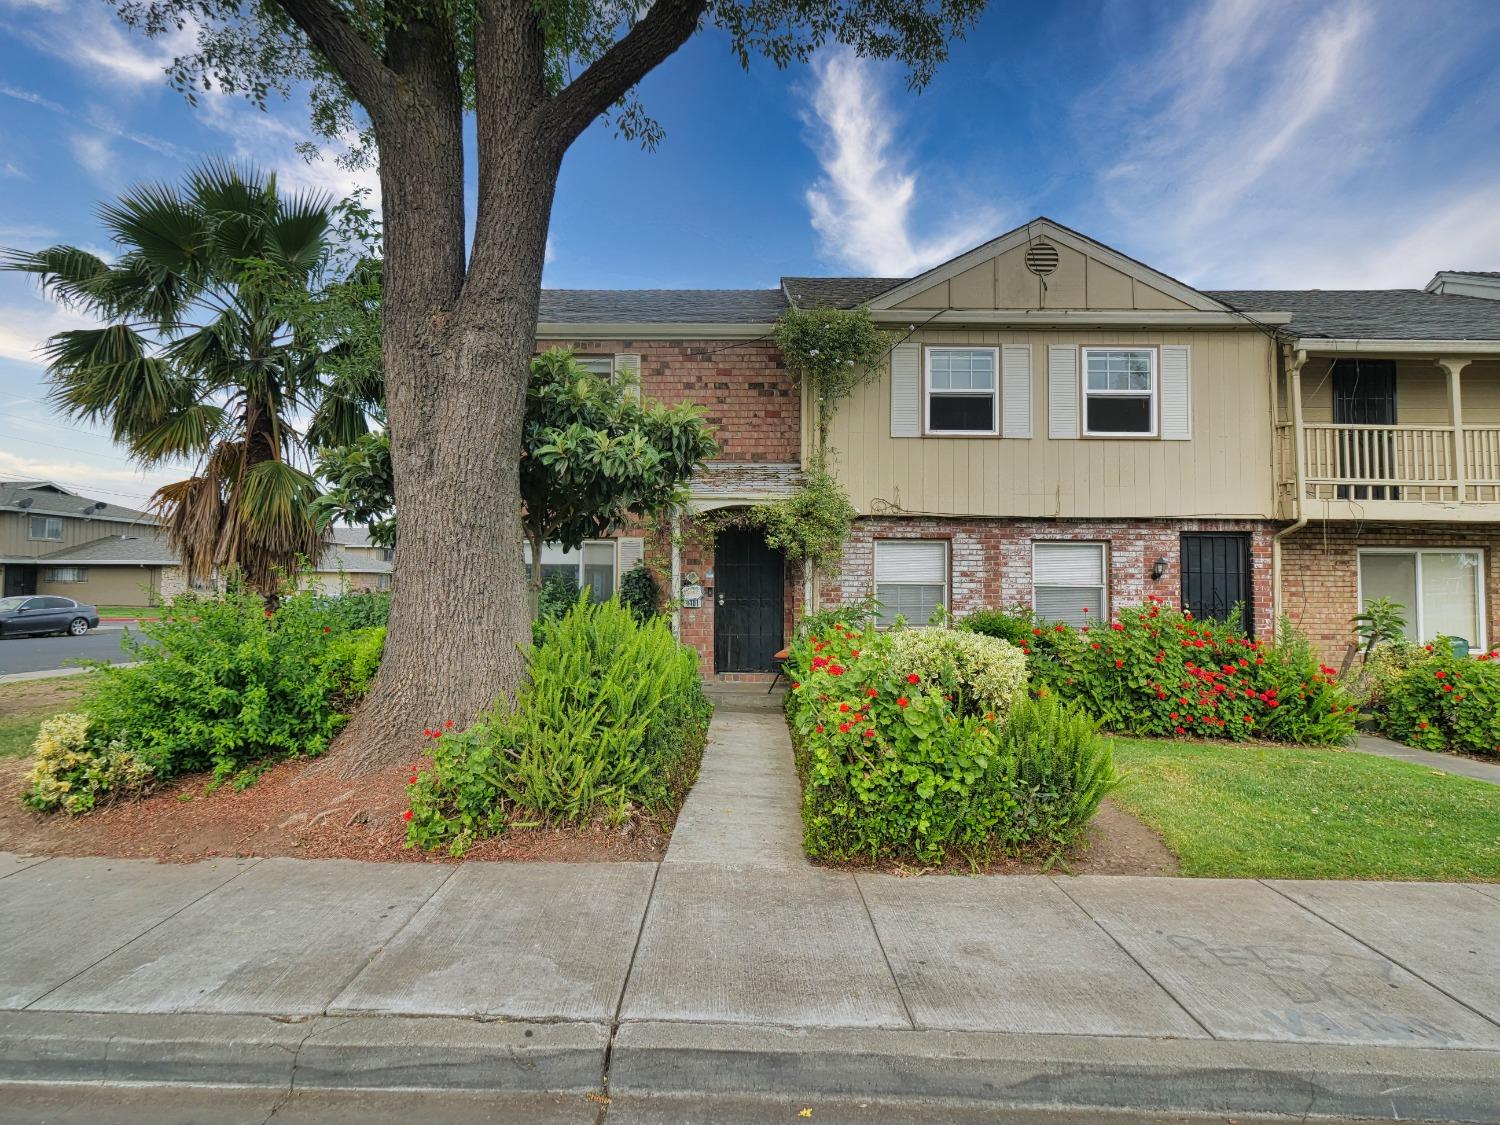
(192, 511)
(180, 433)
(66, 273)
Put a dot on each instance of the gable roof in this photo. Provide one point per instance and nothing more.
(1043, 228)
(660, 306)
(835, 292)
(51, 499)
(143, 550)
(1376, 314)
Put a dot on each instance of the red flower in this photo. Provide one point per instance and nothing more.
(1440, 674)
(427, 731)
(412, 780)
(327, 629)
(870, 733)
(835, 670)
(1117, 627)
(916, 679)
(448, 725)
(1181, 731)
(844, 727)
(854, 654)
(796, 687)
(843, 706)
(1248, 719)
(1422, 725)
(871, 692)
(902, 701)
(819, 728)
(1119, 663)
(1175, 715)
(406, 815)
(1094, 645)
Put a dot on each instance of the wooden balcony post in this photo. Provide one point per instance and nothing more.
(1453, 365)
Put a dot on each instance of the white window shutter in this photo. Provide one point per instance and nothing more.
(632, 551)
(1015, 391)
(1176, 392)
(906, 390)
(1062, 391)
(628, 366)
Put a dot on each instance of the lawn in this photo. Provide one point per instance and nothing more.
(145, 612)
(1295, 813)
(24, 705)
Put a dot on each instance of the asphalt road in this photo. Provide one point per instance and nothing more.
(35, 654)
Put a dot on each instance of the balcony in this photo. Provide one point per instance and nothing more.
(1427, 469)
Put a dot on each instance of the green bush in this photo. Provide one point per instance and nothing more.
(224, 684)
(984, 675)
(1154, 671)
(639, 592)
(612, 720)
(1435, 700)
(559, 592)
(898, 763)
(75, 772)
(1063, 769)
(365, 609)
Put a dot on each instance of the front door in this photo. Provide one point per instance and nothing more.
(749, 602)
(1364, 394)
(20, 581)
(1216, 576)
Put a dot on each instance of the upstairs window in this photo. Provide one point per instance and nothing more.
(1119, 392)
(911, 579)
(47, 527)
(961, 394)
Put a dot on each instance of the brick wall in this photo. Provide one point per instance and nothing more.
(742, 385)
(990, 559)
(1319, 573)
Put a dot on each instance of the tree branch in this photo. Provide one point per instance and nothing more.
(667, 26)
(353, 59)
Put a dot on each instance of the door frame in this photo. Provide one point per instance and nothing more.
(721, 649)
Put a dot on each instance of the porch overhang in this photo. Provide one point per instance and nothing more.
(1317, 345)
(737, 484)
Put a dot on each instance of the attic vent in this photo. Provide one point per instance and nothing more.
(1041, 258)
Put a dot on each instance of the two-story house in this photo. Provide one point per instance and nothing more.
(1060, 426)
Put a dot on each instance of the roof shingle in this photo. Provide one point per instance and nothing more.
(1375, 314)
(660, 306)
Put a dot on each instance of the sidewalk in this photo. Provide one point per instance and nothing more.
(1447, 763)
(735, 969)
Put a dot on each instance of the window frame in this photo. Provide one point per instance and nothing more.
(597, 357)
(946, 600)
(1103, 587)
(46, 521)
(613, 544)
(1481, 611)
(1154, 353)
(53, 572)
(928, 392)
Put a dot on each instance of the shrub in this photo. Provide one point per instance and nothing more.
(559, 592)
(639, 592)
(365, 609)
(1438, 701)
(612, 719)
(1156, 672)
(224, 684)
(1063, 769)
(75, 773)
(985, 675)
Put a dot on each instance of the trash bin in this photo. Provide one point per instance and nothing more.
(1459, 646)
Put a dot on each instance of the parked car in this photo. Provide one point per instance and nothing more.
(45, 613)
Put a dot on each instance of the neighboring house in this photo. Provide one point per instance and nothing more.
(1063, 427)
(56, 541)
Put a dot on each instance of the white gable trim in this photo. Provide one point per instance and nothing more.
(1052, 232)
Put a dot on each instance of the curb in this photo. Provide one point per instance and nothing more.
(1015, 1071)
(323, 1052)
(53, 673)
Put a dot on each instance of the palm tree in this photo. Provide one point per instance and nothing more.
(197, 360)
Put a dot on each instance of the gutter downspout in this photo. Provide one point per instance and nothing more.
(1299, 475)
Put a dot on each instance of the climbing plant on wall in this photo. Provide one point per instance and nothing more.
(831, 352)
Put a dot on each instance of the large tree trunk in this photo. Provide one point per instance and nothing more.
(457, 358)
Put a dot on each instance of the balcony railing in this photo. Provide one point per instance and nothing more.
(1404, 464)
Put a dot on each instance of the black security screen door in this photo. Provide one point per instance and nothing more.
(1216, 576)
(749, 602)
(1364, 394)
(20, 580)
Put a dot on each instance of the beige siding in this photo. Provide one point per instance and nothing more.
(16, 541)
(1225, 470)
(1421, 392)
(107, 585)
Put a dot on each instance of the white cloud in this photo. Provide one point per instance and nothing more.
(123, 485)
(862, 206)
(93, 154)
(91, 38)
(25, 328)
(98, 119)
(1266, 143)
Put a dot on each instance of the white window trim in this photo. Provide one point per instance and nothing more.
(928, 392)
(598, 357)
(1086, 394)
(1481, 642)
(947, 599)
(58, 538)
(1102, 587)
(612, 544)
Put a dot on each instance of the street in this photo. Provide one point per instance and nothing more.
(36, 654)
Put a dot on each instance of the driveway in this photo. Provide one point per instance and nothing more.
(37, 654)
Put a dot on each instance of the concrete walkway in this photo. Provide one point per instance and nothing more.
(1447, 763)
(735, 970)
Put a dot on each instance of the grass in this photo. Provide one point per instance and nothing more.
(24, 705)
(151, 612)
(1295, 813)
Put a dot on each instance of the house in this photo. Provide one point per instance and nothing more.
(1061, 426)
(57, 541)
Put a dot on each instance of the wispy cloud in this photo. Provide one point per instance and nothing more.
(863, 206)
(122, 485)
(25, 328)
(90, 38)
(1268, 143)
(98, 119)
(93, 154)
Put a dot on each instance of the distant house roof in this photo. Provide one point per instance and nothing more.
(51, 499)
(660, 306)
(349, 536)
(138, 550)
(335, 560)
(1375, 314)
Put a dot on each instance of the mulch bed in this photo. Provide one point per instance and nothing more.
(1115, 843)
(297, 808)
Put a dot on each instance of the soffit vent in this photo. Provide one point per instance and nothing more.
(1041, 258)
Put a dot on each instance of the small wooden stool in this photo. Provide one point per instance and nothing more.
(779, 657)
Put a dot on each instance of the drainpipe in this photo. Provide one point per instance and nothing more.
(1299, 475)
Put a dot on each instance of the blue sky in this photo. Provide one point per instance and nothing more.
(1235, 143)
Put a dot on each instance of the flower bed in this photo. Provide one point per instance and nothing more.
(920, 744)
(1155, 671)
(1429, 698)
